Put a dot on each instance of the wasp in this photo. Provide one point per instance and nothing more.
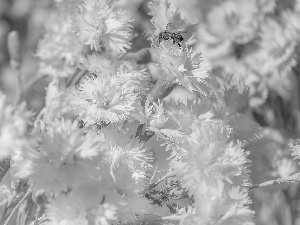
(176, 37)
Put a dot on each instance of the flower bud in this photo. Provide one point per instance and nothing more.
(14, 49)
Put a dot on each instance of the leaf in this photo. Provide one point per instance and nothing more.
(4, 167)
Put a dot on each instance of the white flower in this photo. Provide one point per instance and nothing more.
(104, 214)
(98, 23)
(225, 24)
(184, 115)
(156, 115)
(124, 149)
(104, 98)
(104, 64)
(126, 195)
(181, 63)
(295, 150)
(275, 56)
(81, 206)
(286, 167)
(59, 49)
(5, 194)
(99, 64)
(206, 159)
(230, 208)
(13, 127)
(199, 153)
(63, 208)
(61, 157)
(164, 12)
(235, 20)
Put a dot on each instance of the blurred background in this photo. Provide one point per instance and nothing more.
(257, 40)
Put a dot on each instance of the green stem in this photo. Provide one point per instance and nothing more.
(19, 87)
(17, 206)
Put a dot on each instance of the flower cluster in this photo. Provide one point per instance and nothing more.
(109, 148)
(254, 39)
(212, 171)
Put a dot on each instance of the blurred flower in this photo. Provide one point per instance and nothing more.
(14, 122)
(55, 104)
(59, 49)
(211, 169)
(286, 168)
(203, 147)
(59, 158)
(98, 23)
(64, 208)
(236, 95)
(267, 6)
(229, 208)
(5, 194)
(72, 209)
(295, 150)
(262, 52)
(132, 8)
(126, 195)
(274, 58)
(276, 50)
(99, 64)
(235, 20)
(226, 24)
(68, 5)
(104, 214)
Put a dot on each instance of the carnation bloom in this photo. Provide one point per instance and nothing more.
(181, 63)
(59, 49)
(55, 104)
(211, 169)
(275, 56)
(73, 209)
(100, 64)
(61, 157)
(235, 20)
(184, 115)
(231, 207)
(157, 121)
(199, 153)
(13, 126)
(126, 195)
(98, 23)
(226, 23)
(123, 149)
(164, 12)
(104, 98)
